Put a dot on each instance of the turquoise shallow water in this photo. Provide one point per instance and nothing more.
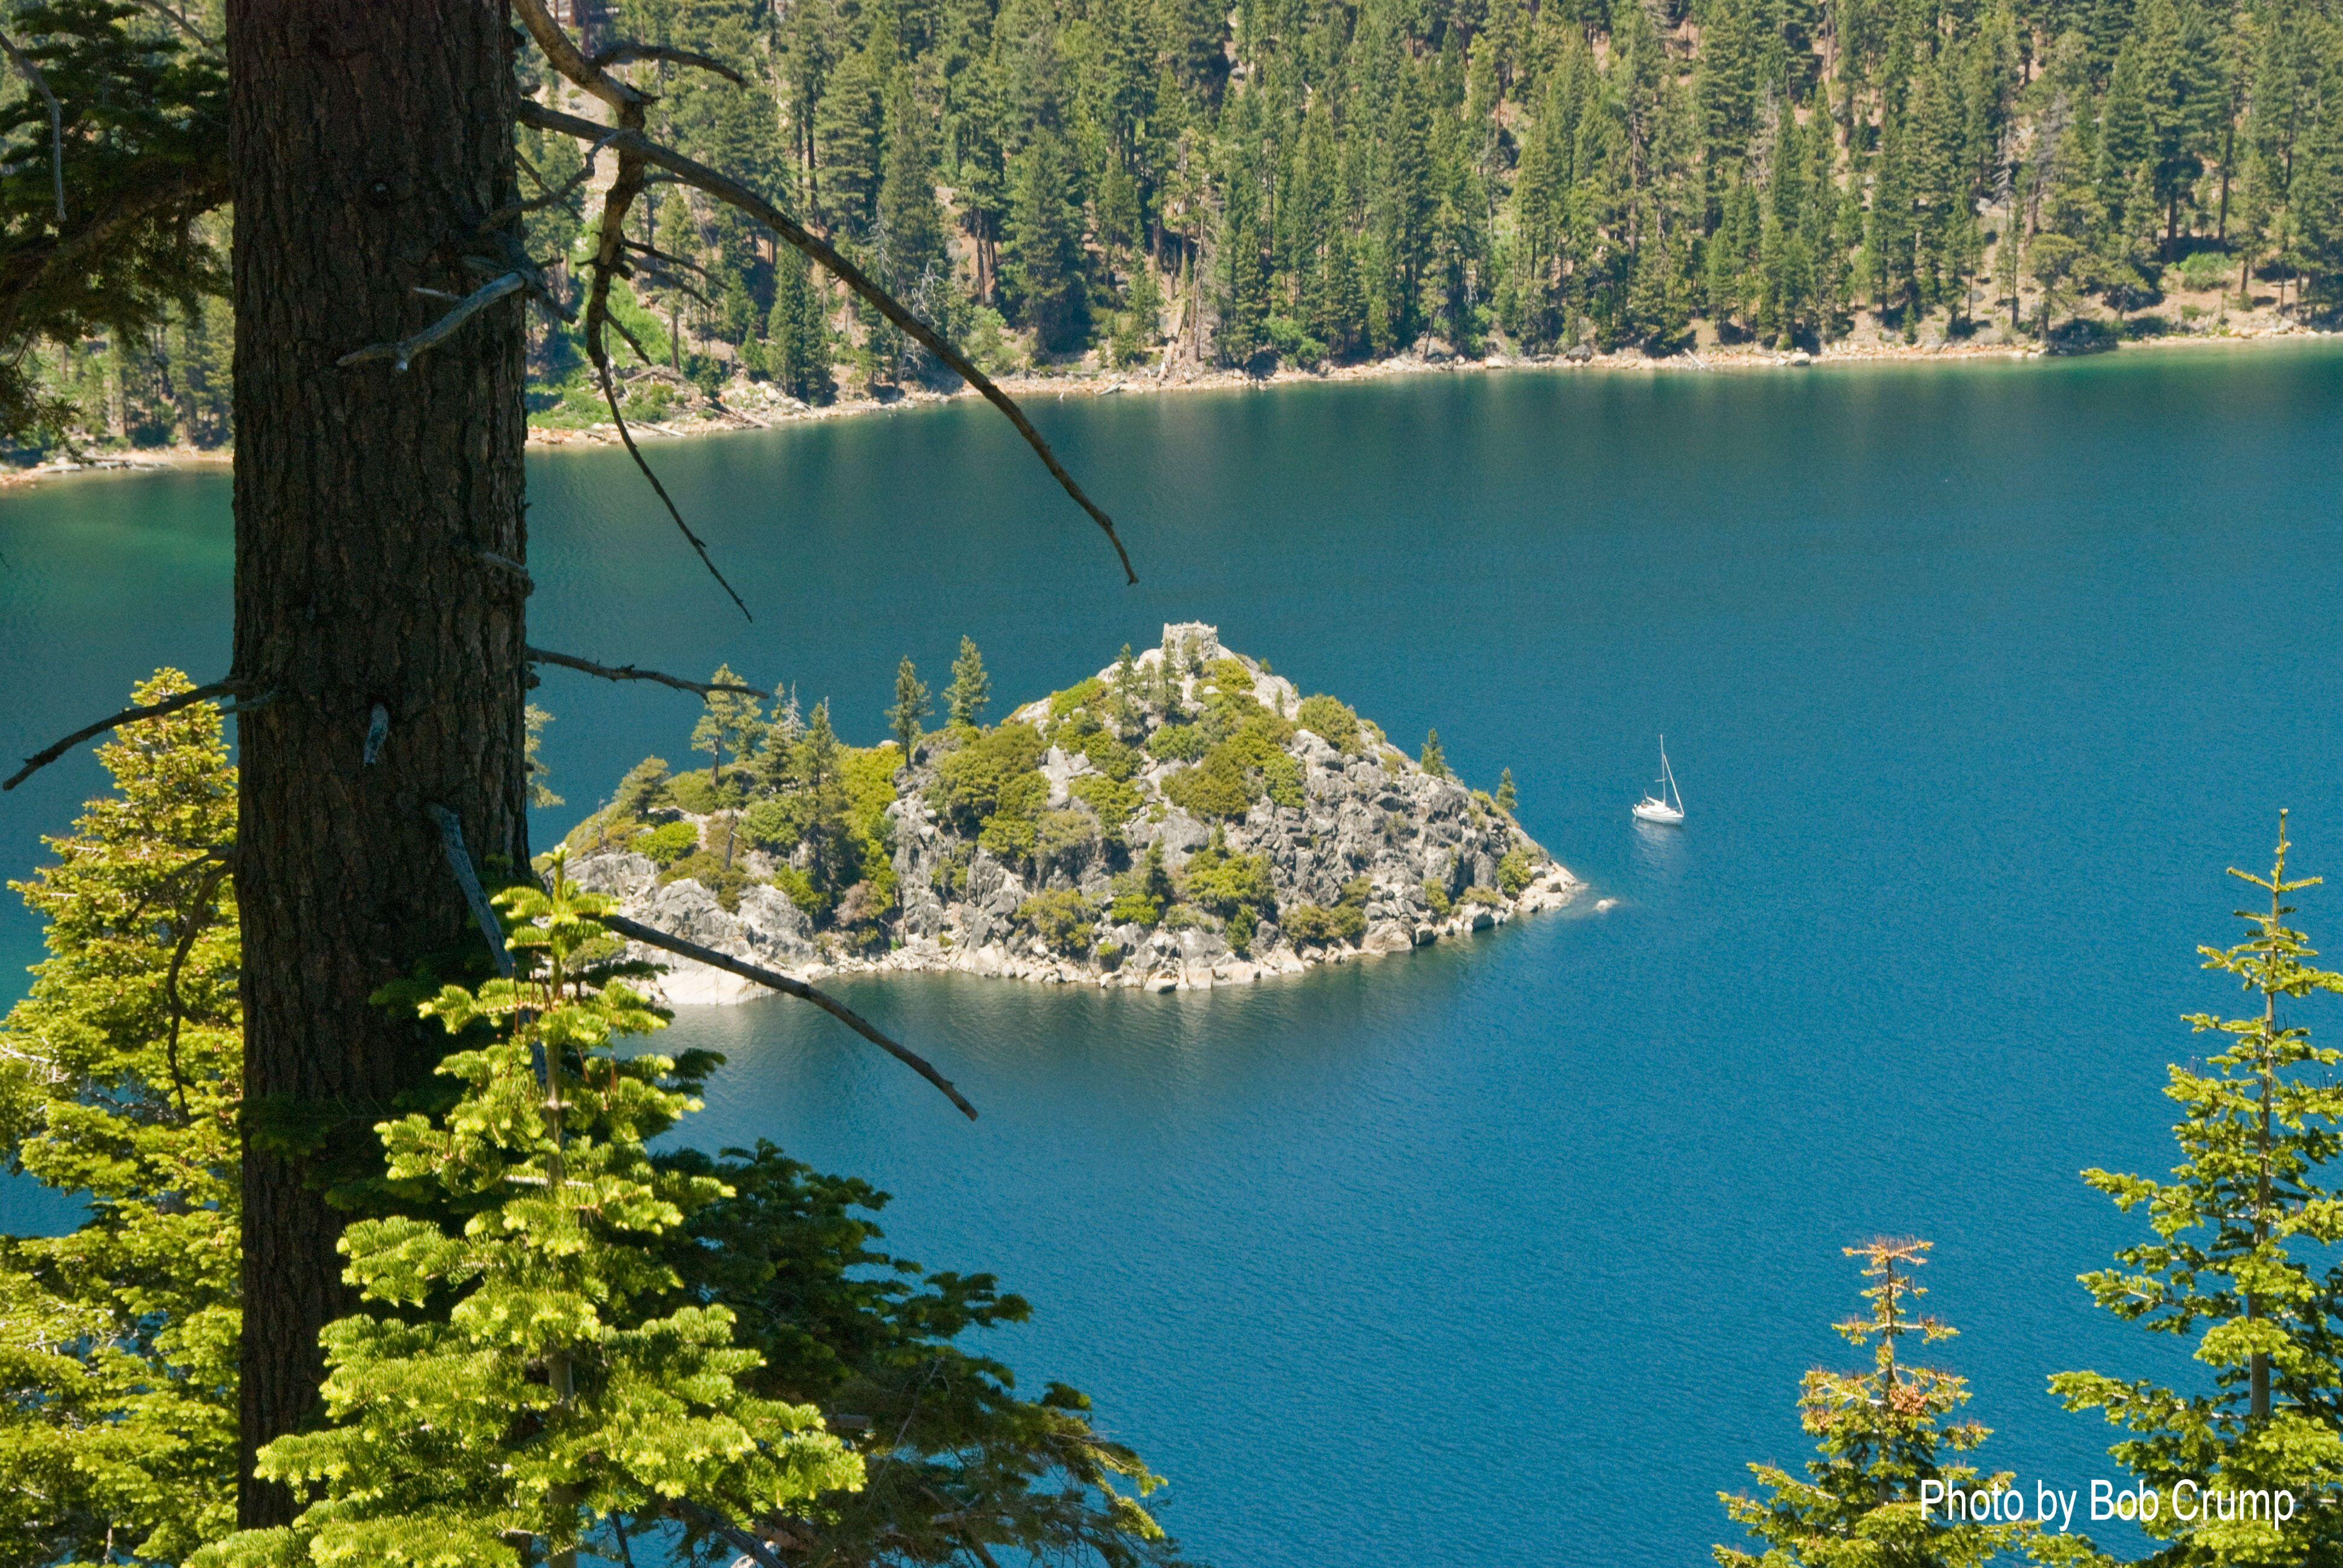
(1511, 1252)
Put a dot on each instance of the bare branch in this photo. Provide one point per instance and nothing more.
(42, 758)
(633, 146)
(507, 564)
(627, 336)
(549, 194)
(611, 397)
(630, 672)
(623, 53)
(439, 331)
(564, 56)
(459, 861)
(31, 74)
(665, 259)
(650, 936)
(179, 20)
(608, 258)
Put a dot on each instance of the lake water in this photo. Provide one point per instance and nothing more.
(1511, 1252)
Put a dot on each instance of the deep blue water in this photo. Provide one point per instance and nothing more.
(1974, 679)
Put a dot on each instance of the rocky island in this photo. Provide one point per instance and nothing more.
(1183, 819)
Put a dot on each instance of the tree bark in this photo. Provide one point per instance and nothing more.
(368, 142)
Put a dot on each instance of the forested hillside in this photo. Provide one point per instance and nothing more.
(1308, 182)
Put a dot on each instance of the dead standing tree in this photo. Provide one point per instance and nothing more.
(381, 582)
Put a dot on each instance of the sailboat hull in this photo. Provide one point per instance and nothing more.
(1650, 811)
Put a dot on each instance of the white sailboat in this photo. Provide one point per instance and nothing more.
(1667, 806)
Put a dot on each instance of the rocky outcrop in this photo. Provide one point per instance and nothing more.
(1175, 823)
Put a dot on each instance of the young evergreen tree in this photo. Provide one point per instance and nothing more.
(1880, 1435)
(2241, 1267)
(1433, 761)
(910, 709)
(544, 1392)
(121, 1076)
(970, 691)
(1507, 796)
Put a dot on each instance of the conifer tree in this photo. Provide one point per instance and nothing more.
(1507, 796)
(540, 793)
(121, 1076)
(1042, 262)
(1434, 760)
(797, 335)
(910, 709)
(1879, 1436)
(2241, 1264)
(970, 691)
(549, 1395)
(728, 724)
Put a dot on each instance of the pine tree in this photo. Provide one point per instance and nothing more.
(1506, 798)
(970, 691)
(910, 710)
(2235, 1267)
(728, 724)
(909, 223)
(1043, 263)
(1881, 1437)
(1434, 760)
(832, 860)
(121, 1077)
(1405, 207)
(540, 793)
(554, 1396)
(1242, 332)
(797, 337)
(849, 129)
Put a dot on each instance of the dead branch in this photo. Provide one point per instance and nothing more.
(631, 672)
(439, 331)
(42, 758)
(459, 861)
(171, 979)
(31, 74)
(627, 336)
(652, 937)
(655, 253)
(507, 564)
(178, 21)
(610, 246)
(565, 57)
(633, 146)
(627, 438)
(624, 53)
(547, 194)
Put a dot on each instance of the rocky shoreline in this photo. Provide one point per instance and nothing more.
(1179, 827)
(748, 406)
(760, 409)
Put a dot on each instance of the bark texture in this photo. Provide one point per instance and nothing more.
(369, 141)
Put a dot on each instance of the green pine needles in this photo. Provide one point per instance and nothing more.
(564, 1392)
(120, 1079)
(1885, 1445)
(2239, 1267)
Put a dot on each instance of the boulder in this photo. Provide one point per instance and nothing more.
(619, 873)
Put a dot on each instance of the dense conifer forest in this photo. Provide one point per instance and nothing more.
(1169, 184)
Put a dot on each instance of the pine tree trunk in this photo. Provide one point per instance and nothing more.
(368, 141)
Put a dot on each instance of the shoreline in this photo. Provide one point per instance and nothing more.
(778, 413)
